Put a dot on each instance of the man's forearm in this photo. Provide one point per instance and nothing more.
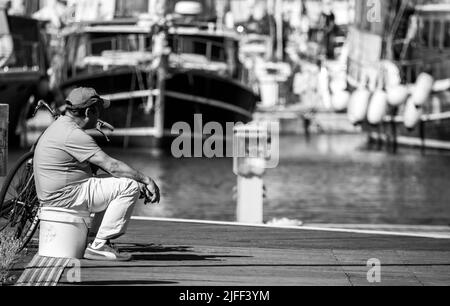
(120, 169)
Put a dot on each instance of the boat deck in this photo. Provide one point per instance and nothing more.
(210, 254)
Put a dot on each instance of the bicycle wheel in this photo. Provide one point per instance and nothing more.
(19, 204)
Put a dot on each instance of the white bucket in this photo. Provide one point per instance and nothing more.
(63, 233)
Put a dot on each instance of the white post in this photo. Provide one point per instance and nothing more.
(250, 198)
(249, 150)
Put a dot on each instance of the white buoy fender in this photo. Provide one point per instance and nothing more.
(323, 86)
(392, 73)
(377, 107)
(188, 8)
(251, 167)
(422, 89)
(357, 108)
(340, 100)
(338, 85)
(412, 114)
(397, 95)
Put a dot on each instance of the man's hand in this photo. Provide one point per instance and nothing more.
(149, 189)
(150, 192)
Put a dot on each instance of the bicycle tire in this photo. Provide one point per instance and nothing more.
(26, 215)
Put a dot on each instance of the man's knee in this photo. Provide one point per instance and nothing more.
(132, 188)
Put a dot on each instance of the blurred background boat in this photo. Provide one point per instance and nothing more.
(296, 62)
(158, 70)
(23, 64)
(245, 51)
(405, 57)
(307, 83)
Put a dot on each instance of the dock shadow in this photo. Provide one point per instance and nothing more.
(151, 248)
(153, 252)
(181, 257)
(142, 253)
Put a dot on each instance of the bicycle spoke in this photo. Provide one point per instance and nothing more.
(21, 224)
(18, 178)
(18, 182)
(27, 221)
(6, 207)
(10, 192)
(19, 204)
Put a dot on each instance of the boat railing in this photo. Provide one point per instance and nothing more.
(6, 49)
(409, 70)
(99, 54)
(21, 55)
(438, 66)
(123, 43)
(188, 51)
(213, 51)
(216, 55)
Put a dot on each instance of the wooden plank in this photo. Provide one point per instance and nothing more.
(240, 236)
(4, 120)
(182, 254)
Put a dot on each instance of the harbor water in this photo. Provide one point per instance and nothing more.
(328, 179)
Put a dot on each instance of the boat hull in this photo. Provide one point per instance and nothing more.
(217, 99)
(15, 90)
(433, 134)
(135, 113)
(432, 131)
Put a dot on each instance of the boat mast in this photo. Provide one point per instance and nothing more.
(160, 40)
(275, 13)
(278, 11)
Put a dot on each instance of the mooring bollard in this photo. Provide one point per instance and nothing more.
(4, 118)
(250, 144)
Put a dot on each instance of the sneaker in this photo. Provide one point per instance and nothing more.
(105, 253)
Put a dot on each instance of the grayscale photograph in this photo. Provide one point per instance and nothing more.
(224, 149)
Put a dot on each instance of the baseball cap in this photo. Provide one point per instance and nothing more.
(84, 97)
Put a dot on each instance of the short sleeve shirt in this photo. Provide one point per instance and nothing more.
(60, 162)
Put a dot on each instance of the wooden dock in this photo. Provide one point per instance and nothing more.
(196, 254)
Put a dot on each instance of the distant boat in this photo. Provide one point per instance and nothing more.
(22, 63)
(204, 76)
(419, 43)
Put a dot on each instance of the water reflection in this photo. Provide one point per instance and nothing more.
(330, 179)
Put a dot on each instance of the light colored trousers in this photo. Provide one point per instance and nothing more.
(112, 200)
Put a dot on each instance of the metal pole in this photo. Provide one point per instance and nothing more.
(278, 10)
(162, 70)
(422, 136)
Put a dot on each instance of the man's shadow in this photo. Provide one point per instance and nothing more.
(153, 252)
(146, 256)
(135, 248)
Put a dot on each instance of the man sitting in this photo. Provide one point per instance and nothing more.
(64, 178)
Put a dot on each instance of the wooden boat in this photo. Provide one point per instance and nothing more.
(410, 38)
(203, 76)
(23, 64)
